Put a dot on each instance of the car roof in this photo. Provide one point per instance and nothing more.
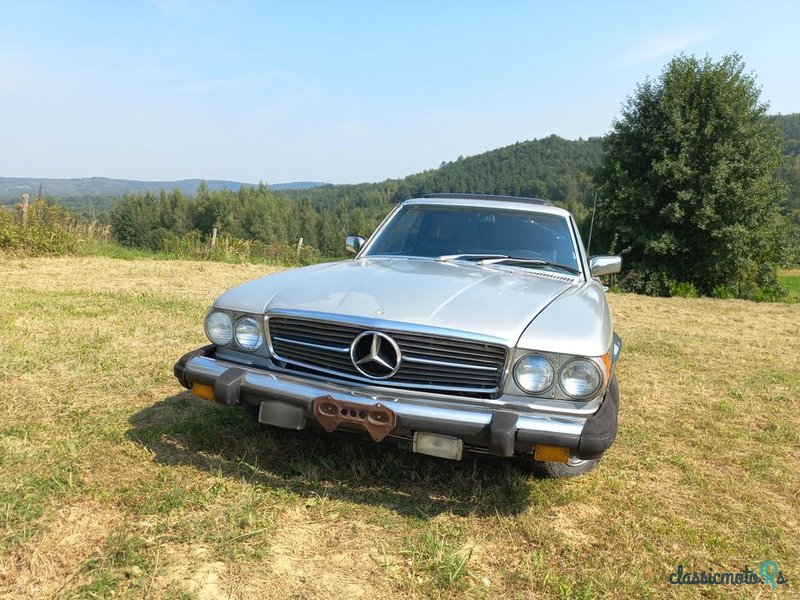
(481, 200)
(526, 199)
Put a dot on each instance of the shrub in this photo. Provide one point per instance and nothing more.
(681, 289)
(722, 292)
(45, 232)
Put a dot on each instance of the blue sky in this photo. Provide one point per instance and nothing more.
(342, 91)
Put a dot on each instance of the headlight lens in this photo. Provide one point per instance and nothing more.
(248, 334)
(580, 378)
(534, 373)
(219, 328)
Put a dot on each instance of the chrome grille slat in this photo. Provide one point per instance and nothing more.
(336, 349)
(409, 370)
(322, 361)
(452, 380)
(428, 362)
(317, 334)
(449, 356)
(478, 354)
(448, 364)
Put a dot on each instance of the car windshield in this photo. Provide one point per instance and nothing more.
(430, 231)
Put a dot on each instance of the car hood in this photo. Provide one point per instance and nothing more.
(494, 302)
(497, 302)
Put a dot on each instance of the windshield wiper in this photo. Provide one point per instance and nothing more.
(478, 257)
(513, 260)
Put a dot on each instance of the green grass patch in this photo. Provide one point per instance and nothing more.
(791, 281)
(116, 482)
(438, 559)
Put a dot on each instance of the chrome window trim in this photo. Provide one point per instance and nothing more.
(578, 243)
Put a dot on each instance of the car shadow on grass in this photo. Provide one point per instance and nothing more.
(185, 430)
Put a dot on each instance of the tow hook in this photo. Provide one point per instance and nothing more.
(378, 420)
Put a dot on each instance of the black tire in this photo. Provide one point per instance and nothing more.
(575, 466)
(555, 470)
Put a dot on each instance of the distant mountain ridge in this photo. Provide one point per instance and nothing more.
(11, 188)
(553, 167)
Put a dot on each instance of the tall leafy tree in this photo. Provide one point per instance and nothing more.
(134, 219)
(687, 184)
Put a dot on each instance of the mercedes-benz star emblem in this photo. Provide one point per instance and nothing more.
(375, 355)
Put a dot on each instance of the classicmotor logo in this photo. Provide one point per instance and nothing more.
(767, 574)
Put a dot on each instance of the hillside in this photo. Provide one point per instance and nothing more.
(552, 167)
(75, 190)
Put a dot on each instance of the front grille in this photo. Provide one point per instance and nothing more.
(429, 362)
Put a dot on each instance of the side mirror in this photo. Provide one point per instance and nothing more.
(605, 265)
(354, 243)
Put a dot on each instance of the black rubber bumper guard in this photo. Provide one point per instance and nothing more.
(180, 366)
(600, 429)
(598, 433)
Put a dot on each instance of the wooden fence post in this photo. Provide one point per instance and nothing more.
(213, 237)
(23, 208)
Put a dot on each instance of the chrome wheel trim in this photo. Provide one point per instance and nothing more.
(575, 462)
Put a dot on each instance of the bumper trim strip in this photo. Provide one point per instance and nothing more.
(414, 413)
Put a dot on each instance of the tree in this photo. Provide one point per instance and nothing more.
(687, 188)
(134, 219)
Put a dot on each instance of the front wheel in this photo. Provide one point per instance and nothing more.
(572, 468)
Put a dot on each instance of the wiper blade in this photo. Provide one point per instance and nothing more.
(527, 261)
(478, 257)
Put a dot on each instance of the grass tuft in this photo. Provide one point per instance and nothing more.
(437, 559)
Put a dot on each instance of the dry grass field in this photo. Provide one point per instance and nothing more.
(116, 482)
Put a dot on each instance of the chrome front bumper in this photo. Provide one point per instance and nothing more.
(496, 430)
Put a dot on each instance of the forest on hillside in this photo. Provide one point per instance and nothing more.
(554, 168)
(790, 170)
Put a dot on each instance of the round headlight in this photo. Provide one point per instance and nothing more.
(580, 378)
(219, 328)
(534, 373)
(248, 334)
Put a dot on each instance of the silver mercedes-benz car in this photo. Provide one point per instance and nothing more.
(464, 323)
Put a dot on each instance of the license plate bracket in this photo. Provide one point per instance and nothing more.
(377, 419)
